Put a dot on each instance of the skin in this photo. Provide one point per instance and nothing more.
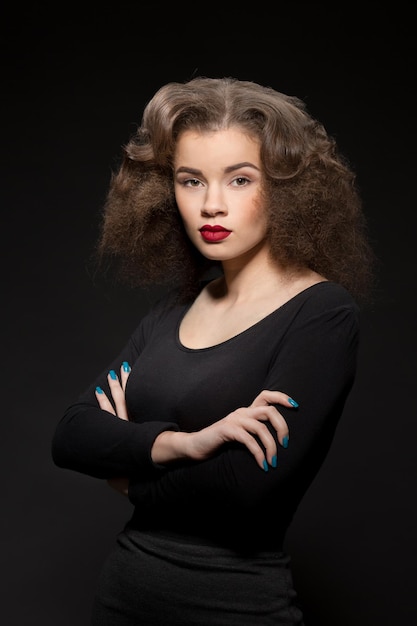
(217, 181)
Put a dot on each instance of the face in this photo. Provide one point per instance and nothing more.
(217, 179)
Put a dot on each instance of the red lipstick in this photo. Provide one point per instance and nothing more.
(212, 234)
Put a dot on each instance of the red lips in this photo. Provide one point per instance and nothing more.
(214, 233)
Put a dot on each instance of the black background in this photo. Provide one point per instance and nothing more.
(74, 81)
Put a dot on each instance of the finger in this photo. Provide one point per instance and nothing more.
(260, 443)
(268, 396)
(248, 427)
(118, 395)
(256, 450)
(103, 401)
(267, 444)
(273, 416)
(124, 373)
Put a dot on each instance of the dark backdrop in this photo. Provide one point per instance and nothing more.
(74, 81)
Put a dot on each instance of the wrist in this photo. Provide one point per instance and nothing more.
(169, 446)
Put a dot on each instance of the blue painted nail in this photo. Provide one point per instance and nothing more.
(293, 402)
(285, 441)
(265, 464)
(126, 366)
(99, 390)
(274, 461)
(113, 375)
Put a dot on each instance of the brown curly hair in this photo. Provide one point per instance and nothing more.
(315, 216)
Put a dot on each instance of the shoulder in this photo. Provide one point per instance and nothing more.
(165, 309)
(166, 305)
(326, 296)
(325, 309)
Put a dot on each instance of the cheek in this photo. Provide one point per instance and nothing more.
(180, 206)
(257, 217)
(186, 216)
(184, 206)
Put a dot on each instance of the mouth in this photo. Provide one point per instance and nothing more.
(214, 233)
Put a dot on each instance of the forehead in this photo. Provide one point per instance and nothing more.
(226, 145)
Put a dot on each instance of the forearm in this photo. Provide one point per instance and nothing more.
(94, 442)
(317, 366)
(170, 446)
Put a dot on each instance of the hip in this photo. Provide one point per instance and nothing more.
(158, 579)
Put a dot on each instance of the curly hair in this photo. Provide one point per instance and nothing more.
(314, 210)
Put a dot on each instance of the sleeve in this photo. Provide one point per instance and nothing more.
(98, 443)
(315, 364)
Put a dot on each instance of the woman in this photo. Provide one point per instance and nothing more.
(216, 415)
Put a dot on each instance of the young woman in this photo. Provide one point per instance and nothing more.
(216, 415)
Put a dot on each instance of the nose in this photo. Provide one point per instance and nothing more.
(214, 203)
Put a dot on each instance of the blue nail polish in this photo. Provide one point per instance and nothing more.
(274, 461)
(126, 366)
(113, 375)
(99, 390)
(293, 402)
(265, 464)
(285, 441)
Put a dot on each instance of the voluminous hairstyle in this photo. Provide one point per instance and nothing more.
(314, 210)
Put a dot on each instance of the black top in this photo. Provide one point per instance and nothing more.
(306, 348)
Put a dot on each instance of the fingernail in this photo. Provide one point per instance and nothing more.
(265, 464)
(126, 366)
(293, 402)
(285, 441)
(113, 375)
(99, 390)
(274, 461)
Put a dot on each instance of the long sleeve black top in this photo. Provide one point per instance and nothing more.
(306, 348)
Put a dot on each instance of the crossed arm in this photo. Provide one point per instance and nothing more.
(246, 425)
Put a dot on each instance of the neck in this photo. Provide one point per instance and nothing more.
(258, 276)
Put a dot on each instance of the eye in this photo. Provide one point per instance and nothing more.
(190, 182)
(240, 181)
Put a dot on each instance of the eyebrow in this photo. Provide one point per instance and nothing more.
(227, 170)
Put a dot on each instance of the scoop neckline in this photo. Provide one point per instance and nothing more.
(185, 348)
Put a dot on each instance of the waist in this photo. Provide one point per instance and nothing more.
(240, 536)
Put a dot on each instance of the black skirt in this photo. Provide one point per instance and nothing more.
(150, 580)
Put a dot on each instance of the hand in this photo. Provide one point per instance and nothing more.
(245, 425)
(117, 386)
